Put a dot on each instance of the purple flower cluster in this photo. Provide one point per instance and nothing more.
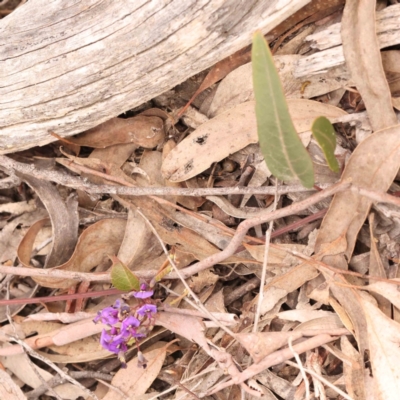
(128, 324)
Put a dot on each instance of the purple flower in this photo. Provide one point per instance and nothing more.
(115, 344)
(147, 309)
(108, 315)
(143, 293)
(128, 326)
(121, 306)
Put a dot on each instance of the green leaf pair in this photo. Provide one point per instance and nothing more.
(280, 144)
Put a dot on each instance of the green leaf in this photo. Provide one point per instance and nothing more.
(280, 144)
(324, 134)
(122, 278)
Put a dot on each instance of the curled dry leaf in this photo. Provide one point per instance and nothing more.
(64, 220)
(235, 128)
(144, 131)
(95, 243)
(63, 216)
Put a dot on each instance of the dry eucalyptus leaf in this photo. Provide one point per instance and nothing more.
(139, 245)
(94, 245)
(63, 216)
(235, 128)
(362, 55)
(135, 380)
(373, 165)
(261, 344)
(384, 341)
(144, 131)
(174, 234)
(191, 328)
(8, 388)
(353, 373)
(18, 208)
(237, 87)
(21, 367)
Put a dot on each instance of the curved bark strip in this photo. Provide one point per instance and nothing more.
(67, 66)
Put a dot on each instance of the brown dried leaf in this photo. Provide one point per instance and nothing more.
(23, 369)
(9, 389)
(362, 55)
(388, 290)
(64, 220)
(139, 246)
(94, 245)
(135, 380)
(177, 235)
(191, 328)
(237, 87)
(373, 165)
(235, 128)
(353, 373)
(384, 340)
(278, 254)
(144, 131)
(261, 344)
(376, 268)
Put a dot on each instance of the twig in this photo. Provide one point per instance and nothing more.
(34, 354)
(244, 226)
(323, 380)
(187, 287)
(300, 367)
(277, 358)
(264, 267)
(33, 366)
(59, 380)
(242, 290)
(78, 183)
(199, 266)
(213, 259)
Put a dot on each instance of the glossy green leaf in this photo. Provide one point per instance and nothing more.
(280, 144)
(324, 134)
(122, 278)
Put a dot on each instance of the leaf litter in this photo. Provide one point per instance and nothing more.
(342, 323)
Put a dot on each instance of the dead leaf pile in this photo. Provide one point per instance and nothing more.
(325, 321)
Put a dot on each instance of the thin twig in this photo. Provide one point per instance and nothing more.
(68, 180)
(265, 263)
(34, 354)
(199, 266)
(277, 358)
(199, 304)
(240, 291)
(58, 380)
(300, 367)
(323, 380)
(32, 365)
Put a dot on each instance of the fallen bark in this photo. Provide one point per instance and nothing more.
(68, 66)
